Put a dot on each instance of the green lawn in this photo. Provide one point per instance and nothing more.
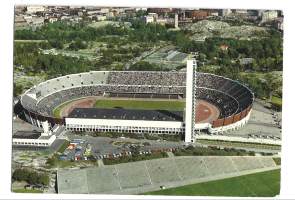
(276, 100)
(239, 144)
(263, 184)
(26, 191)
(63, 147)
(172, 105)
(277, 160)
(141, 104)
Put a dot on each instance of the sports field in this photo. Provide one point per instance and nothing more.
(141, 104)
(172, 105)
(263, 184)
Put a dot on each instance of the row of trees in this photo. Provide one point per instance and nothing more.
(28, 55)
(64, 32)
(267, 52)
(144, 66)
(59, 33)
(55, 65)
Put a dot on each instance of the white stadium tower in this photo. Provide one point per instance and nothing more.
(190, 106)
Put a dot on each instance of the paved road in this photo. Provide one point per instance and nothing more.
(262, 124)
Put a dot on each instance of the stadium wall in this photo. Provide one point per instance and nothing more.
(226, 126)
(134, 126)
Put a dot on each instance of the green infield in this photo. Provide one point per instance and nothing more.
(141, 104)
(172, 105)
(263, 184)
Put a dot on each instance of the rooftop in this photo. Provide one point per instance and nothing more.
(26, 135)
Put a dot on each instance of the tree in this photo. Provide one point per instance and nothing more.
(20, 174)
(30, 176)
(78, 44)
(56, 44)
(17, 89)
(272, 84)
(144, 66)
(43, 179)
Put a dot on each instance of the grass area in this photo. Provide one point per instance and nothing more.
(26, 191)
(54, 162)
(134, 158)
(37, 41)
(263, 184)
(239, 144)
(148, 136)
(63, 147)
(175, 138)
(211, 151)
(277, 160)
(141, 104)
(276, 100)
(129, 104)
(60, 163)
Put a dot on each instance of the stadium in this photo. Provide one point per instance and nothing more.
(209, 102)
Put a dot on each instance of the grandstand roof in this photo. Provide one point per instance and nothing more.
(126, 114)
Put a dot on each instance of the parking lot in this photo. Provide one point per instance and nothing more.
(103, 147)
(78, 149)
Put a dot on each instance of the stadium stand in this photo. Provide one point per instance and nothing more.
(233, 99)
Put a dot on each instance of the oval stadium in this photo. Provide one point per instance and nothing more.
(139, 102)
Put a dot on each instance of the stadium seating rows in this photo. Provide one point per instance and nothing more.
(229, 96)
